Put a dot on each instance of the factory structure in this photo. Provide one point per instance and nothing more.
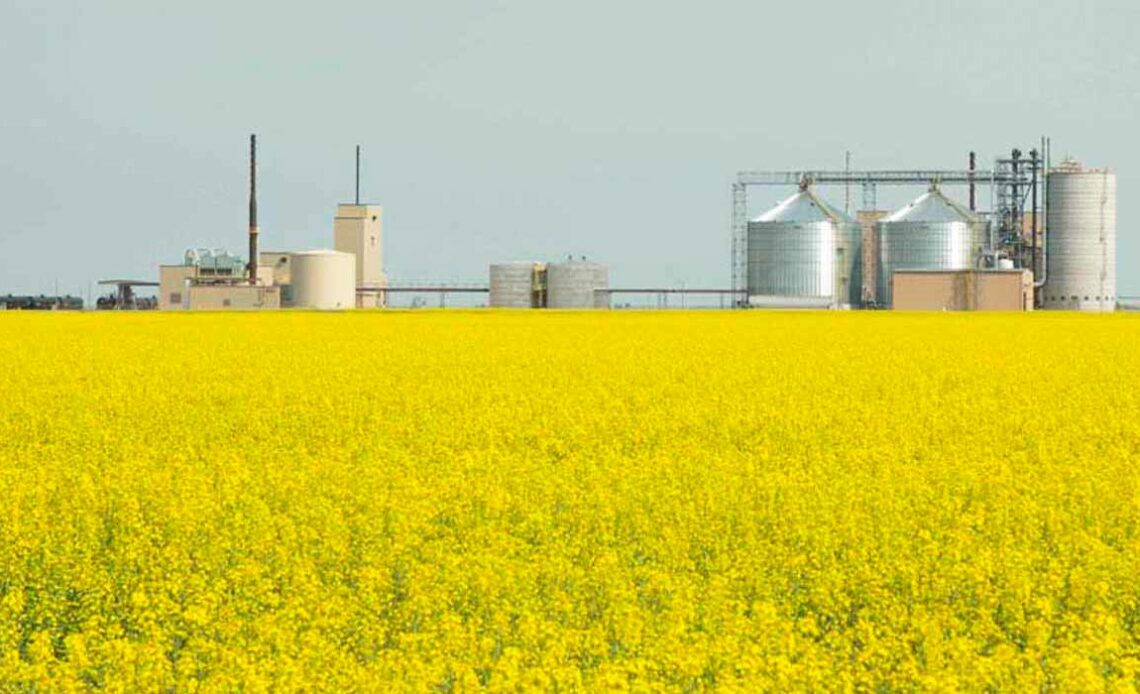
(1048, 240)
(349, 275)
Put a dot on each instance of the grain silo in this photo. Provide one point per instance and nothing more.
(1081, 239)
(577, 284)
(804, 252)
(323, 279)
(517, 284)
(931, 233)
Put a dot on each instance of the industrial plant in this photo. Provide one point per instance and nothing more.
(349, 275)
(1048, 240)
(1045, 240)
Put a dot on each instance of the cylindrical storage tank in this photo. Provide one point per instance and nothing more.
(575, 284)
(931, 233)
(1080, 225)
(513, 285)
(324, 280)
(804, 252)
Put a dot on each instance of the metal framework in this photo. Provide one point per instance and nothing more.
(662, 294)
(124, 297)
(442, 290)
(870, 181)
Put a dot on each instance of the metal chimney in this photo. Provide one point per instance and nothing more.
(973, 190)
(253, 259)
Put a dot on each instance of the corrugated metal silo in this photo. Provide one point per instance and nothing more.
(1081, 250)
(805, 252)
(575, 284)
(323, 279)
(931, 233)
(516, 284)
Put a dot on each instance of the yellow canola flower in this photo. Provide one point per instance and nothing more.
(557, 501)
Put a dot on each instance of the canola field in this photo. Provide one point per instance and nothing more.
(460, 501)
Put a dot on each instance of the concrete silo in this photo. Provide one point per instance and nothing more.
(1081, 239)
(577, 284)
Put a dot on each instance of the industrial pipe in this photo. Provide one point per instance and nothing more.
(253, 259)
(1047, 146)
(1034, 166)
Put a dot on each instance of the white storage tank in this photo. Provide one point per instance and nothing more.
(1080, 241)
(516, 284)
(323, 279)
(575, 284)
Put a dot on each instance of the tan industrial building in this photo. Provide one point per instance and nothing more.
(222, 297)
(359, 229)
(962, 290)
(214, 280)
(351, 276)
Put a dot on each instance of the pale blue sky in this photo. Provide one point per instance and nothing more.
(510, 130)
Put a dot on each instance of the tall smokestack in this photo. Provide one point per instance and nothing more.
(973, 190)
(253, 260)
(358, 174)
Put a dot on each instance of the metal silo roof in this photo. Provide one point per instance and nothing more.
(933, 207)
(804, 206)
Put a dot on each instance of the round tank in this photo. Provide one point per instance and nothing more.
(805, 252)
(323, 280)
(513, 284)
(931, 233)
(1081, 239)
(574, 284)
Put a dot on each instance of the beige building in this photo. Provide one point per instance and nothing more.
(359, 229)
(962, 290)
(176, 283)
(173, 286)
(228, 297)
(278, 262)
(350, 277)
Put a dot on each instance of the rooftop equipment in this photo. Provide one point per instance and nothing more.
(1081, 253)
(931, 233)
(217, 262)
(804, 253)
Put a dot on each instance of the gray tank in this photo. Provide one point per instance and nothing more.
(515, 284)
(804, 252)
(575, 284)
(1081, 244)
(931, 233)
